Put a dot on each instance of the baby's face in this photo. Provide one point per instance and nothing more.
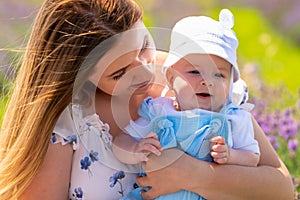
(200, 81)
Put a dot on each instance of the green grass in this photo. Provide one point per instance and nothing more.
(3, 102)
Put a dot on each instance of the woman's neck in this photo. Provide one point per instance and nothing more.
(117, 111)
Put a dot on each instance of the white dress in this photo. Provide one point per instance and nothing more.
(96, 173)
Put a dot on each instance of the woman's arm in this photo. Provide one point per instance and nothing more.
(270, 180)
(52, 181)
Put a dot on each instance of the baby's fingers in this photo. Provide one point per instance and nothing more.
(219, 148)
(152, 135)
(150, 148)
(220, 160)
(218, 140)
(220, 157)
(152, 138)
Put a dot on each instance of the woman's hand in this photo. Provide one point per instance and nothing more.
(163, 173)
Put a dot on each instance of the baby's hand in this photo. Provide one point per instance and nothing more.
(219, 150)
(147, 145)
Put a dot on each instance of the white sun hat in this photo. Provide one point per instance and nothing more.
(202, 34)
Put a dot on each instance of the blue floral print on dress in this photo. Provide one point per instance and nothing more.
(92, 124)
(94, 156)
(53, 138)
(78, 193)
(135, 185)
(85, 163)
(71, 138)
(116, 178)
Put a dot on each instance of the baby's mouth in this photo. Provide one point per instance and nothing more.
(203, 94)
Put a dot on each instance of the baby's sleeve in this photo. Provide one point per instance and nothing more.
(138, 129)
(64, 131)
(243, 132)
(148, 110)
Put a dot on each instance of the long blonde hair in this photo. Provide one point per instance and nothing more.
(64, 33)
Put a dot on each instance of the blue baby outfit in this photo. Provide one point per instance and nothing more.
(189, 131)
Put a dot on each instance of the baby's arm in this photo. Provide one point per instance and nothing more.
(224, 155)
(130, 151)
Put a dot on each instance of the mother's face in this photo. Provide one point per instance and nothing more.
(127, 67)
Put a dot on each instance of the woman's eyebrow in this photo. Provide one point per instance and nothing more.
(118, 71)
(144, 44)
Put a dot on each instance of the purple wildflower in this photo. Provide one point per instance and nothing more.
(288, 127)
(293, 145)
(273, 140)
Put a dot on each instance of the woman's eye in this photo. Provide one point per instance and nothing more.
(119, 75)
(145, 45)
(194, 72)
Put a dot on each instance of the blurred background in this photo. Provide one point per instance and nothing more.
(268, 31)
(268, 56)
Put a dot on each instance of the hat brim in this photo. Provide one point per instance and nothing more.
(199, 48)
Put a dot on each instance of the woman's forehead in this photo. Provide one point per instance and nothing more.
(125, 45)
(129, 41)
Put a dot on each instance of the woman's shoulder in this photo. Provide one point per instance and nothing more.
(64, 130)
(71, 121)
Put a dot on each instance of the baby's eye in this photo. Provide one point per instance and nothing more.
(219, 75)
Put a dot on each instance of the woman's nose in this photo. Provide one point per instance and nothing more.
(142, 68)
(144, 63)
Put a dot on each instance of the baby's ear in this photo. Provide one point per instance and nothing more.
(170, 76)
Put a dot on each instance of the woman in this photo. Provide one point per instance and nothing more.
(60, 51)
